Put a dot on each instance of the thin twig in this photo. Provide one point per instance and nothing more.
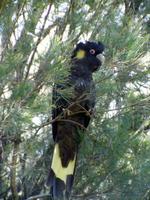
(71, 121)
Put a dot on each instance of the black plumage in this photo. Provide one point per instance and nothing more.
(71, 115)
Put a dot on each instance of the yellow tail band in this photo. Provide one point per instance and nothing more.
(60, 171)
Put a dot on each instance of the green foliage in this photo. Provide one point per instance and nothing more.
(36, 39)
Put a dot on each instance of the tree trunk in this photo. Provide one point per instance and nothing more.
(13, 182)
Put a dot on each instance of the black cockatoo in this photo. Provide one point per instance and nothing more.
(71, 115)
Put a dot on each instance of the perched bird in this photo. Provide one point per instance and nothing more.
(71, 115)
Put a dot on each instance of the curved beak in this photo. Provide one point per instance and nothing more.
(101, 57)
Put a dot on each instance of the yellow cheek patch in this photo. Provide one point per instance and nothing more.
(80, 54)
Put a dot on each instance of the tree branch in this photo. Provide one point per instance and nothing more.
(41, 196)
(38, 41)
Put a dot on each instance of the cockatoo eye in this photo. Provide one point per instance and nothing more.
(92, 51)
